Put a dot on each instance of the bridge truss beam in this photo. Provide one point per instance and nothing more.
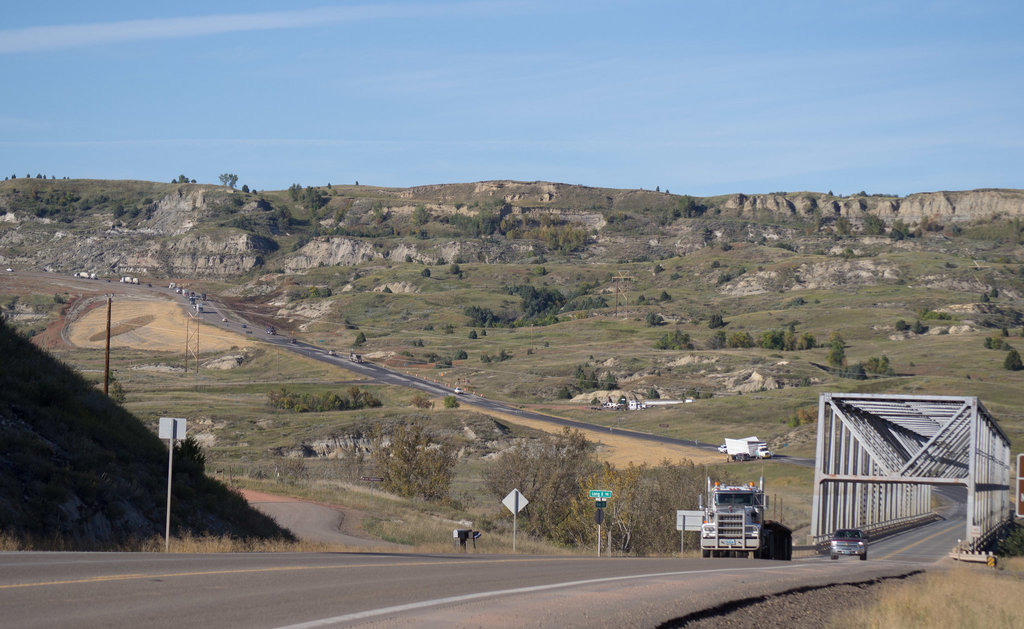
(878, 456)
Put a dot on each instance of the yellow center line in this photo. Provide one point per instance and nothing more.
(200, 573)
(921, 541)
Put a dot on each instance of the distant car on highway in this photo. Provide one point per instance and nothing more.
(244, 326)
(223, 319)
(10, 270)
(459, 391)
(331, 352)
(848, 542)
(723, 448)
(293, 341)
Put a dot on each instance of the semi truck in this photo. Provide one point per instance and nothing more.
(735, 524)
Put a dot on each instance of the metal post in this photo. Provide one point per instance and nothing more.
(598, 540)
(514, 527)
(170, 465)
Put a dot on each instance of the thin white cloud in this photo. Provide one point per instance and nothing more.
(45, 38)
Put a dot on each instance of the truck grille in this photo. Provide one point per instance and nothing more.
(730, 525)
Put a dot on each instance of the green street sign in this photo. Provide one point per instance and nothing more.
(600, 504)
(601, 493)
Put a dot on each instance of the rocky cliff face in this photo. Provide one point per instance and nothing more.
(945, 207)
(165, 230)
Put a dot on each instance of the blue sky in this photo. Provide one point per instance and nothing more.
(700, 98)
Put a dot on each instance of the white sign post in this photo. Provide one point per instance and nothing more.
(171, 428)
(687, 520)
(514, 502)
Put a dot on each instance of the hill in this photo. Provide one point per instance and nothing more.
(213, 232)
(549, 295)
(79, 472)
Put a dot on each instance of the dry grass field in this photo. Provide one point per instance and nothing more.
(146, 324)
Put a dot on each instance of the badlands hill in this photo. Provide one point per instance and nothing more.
(118, 228)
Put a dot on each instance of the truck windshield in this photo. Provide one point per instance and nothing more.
(745, 499)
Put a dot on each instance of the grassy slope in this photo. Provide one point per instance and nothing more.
(78, 467)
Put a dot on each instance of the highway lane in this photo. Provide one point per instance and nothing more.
(87, 590)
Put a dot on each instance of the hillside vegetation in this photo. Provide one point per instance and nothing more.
(80, 472)
(556, 296)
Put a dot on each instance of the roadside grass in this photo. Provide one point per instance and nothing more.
(962, 596)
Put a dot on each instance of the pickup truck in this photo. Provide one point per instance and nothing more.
(848, 542)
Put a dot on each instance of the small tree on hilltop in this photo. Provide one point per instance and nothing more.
(229, 180)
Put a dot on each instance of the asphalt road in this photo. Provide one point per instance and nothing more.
(85, 590)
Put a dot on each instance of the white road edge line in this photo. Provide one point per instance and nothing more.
(325, 622)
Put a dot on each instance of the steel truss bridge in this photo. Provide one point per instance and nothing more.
(879, 456)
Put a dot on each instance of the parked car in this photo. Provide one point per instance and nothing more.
(848, 542)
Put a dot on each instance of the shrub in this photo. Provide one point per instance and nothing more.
(674, 340)
(653, 320)
(740, 339)
(1012, 361)
(879, 365)
(716, 321)
(411, 464)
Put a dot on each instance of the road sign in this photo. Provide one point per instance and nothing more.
(599, 518)
(515, 501)
(601, 493)
(689, 520)
(600, 504)
(172, 428)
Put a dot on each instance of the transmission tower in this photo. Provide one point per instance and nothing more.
(192, 340)
(622, 281)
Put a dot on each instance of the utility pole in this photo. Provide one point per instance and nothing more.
(106, 359)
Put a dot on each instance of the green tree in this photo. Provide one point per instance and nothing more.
(229, 180)
(716, 321)
(420, 216)
(836, 354)
(739, 340)
(1013, 361)
(413, 465)
(549, 471)
(873, 226)
(450, 401)
(360, 339)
